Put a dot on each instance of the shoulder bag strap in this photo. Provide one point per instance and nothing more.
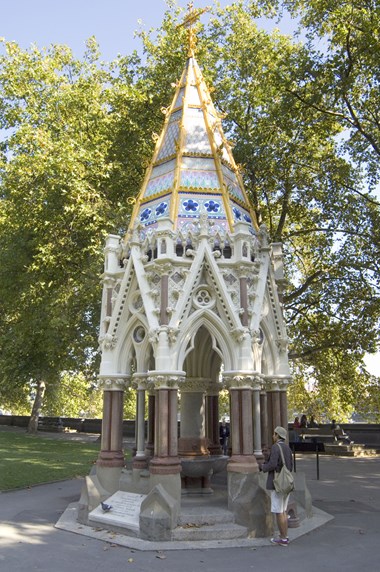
(282, 454)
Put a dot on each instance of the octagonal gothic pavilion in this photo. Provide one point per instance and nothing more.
(191, 306)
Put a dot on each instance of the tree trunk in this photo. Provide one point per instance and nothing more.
(33, 421)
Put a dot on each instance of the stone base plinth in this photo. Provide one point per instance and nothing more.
(250, 503)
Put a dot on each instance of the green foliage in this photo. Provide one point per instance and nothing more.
(73, 396)
(224, 403)
(303, 187)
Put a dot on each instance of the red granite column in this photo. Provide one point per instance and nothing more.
(165, 460)
(257, 420)
(283, 384)
(140, 460)
(242, 459)
(276, 407)
(111, 453)
(212, 423)
(270, 417)
(264, 419)
(151, 424)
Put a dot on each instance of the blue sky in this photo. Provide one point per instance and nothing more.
(72, 22)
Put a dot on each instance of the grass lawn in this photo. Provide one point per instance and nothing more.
(26, 460)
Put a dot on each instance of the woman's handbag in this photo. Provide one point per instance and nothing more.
(284, 480)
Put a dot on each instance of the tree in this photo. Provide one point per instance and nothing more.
(77, 136)
(302, 184)
(347, 78)
(59, 190)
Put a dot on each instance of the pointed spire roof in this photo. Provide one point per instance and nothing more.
(192, 171)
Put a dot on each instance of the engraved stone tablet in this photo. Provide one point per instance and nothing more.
(124, 513)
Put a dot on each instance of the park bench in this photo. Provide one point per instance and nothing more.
(331, 441)
(318, 434)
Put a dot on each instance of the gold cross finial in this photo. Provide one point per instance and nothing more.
(190, 19)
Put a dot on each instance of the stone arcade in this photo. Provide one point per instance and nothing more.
(191, 305)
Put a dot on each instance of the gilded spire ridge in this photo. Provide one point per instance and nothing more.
(192, 173)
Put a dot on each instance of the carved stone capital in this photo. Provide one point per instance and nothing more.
(166, 380)
(153, 336)
(277, 382)
(194, 385)
(240, 334)
(282, 344)
(108, 281)
(162, 267)
(244, 269)
(107, 342)
(239, 380)
(172, 335)
(140, 381)
(114, 382)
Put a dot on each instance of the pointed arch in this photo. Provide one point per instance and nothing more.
(134, 341)
(269, 352)
(224, 347)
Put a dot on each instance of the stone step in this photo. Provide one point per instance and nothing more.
(197, 517)
(366, 452)
(349, 450)
(219, 531)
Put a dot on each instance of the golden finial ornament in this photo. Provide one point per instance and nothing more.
(189, 21)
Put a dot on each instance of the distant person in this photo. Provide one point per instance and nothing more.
(312, 422)
(304, 423)
(279, 501)
(296, 429)
(224, 433)
(338, 433)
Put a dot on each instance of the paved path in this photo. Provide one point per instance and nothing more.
(348, 489)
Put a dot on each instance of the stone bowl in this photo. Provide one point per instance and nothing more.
(203, 466)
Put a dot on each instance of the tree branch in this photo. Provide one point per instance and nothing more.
(296, 293)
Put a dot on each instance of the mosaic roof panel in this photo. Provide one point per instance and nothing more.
(192, 96)
(232, 184)
(203, 163)
(151, 211)
(168, 144)
(240, 214)
(159, 184)
(196, 139)
(179, 100)
(191, 71)
(197, 179)
(192, 205)
(163, 168)
(176, 116)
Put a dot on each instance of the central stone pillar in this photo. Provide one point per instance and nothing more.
(193, 441)
(212, 420)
